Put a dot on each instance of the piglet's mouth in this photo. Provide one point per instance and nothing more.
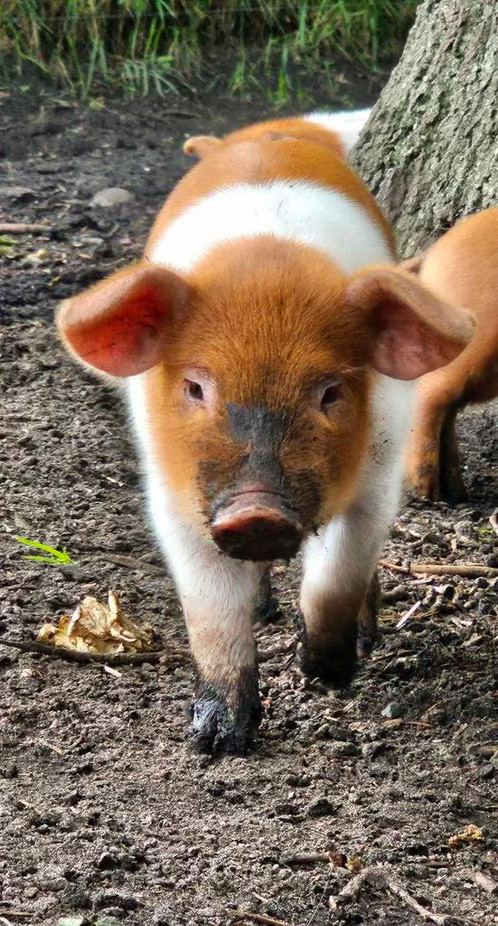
(256, 524)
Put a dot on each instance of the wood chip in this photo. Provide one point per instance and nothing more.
(23, 228)
(258, 918)
(466, 570)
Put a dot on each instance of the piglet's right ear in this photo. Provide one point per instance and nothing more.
(198, 146)
(120, 325)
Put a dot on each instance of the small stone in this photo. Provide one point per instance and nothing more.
(320, 808)
(393, 710)
(345, 751)
(110, 197)
(108, 921)
(72, 921)
(9, 771)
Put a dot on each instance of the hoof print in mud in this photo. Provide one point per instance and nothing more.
(334, 662)
(218, 728)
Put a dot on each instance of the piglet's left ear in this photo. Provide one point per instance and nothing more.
(414, 332)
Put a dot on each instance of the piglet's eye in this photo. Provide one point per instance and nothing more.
(330, 393)
(194, 390)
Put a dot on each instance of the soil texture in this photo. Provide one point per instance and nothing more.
(106, 815)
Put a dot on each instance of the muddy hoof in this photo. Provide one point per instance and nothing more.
(218, 729)
(332, 661)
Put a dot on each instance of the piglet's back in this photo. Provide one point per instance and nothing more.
(263, 164)
(463, 268)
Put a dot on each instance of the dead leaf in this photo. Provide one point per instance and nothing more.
(470, 834)
(98, 628)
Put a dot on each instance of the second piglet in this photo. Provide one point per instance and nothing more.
(268, 372)
(462, 267)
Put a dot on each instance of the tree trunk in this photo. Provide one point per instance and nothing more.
(429, 152)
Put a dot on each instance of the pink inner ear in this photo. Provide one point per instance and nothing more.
(126, 342)
(120, 325)
(405, 347)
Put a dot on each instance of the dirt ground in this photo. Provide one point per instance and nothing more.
(106, 816)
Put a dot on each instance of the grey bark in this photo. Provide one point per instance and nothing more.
(429, 151)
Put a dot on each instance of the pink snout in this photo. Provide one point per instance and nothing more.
(257, 525)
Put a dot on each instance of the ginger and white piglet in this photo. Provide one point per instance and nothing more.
(268, 373)
(462, 267)
(336, 131)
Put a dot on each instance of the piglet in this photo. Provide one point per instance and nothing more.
(336, 131)
(268, 374)
(462, 267)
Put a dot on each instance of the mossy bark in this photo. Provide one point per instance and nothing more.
(429, 152)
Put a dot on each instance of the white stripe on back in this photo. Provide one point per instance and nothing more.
(298, 211)
(347, 125)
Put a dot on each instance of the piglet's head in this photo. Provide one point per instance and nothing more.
(258, 371)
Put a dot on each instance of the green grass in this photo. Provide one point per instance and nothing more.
(155, 45)
(51, 555)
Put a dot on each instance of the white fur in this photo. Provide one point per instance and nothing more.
(347, 125)
(217, 593)
(298, 211)
(344, 553)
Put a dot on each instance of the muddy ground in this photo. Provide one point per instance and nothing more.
(106, 816)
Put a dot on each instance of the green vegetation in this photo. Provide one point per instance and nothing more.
(51, 556)
(154, 45)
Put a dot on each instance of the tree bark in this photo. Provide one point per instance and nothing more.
(429, 151)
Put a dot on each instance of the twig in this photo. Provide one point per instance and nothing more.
(4, 921)
(134, 563)
(466, 570)
(265, 655)
(481, 879)
(14, 912)
(305, 858)
(259, 918)
(379, 879)
(22, 228)
(111, 659)
(119, 659)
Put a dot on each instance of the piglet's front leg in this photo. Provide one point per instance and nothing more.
(340, 590)
(218, 597)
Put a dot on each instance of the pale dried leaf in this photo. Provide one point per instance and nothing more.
(97, 628)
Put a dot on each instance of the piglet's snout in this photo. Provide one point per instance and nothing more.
(256, 525)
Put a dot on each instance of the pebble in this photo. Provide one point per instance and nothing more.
(110, 197)
(393, 710)
(320, 808)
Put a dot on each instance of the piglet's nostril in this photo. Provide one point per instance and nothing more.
(257, 526)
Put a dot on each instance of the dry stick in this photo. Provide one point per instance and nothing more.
(111, 659)
(481, 879)
(304, 858)
(281, 649)
(15, 912)
(378, 878)
(133, 563)
(466, 570)
(22, 228)
(259, 918)
(117, 659)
